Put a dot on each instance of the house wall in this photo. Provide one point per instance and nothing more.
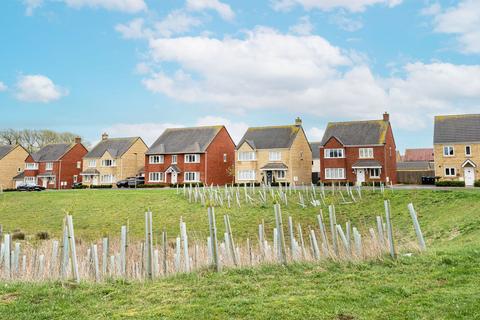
(217, 171)
(132, 160)
(67, 166)
(11, 165)
(184, 167)
(300, 160)
(456, 161)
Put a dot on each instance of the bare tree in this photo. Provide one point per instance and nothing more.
(32, 140)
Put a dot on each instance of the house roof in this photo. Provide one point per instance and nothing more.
(90, 172)
(315, 149)
(184, 140)
(116, 147)
(275, 137)
(19, 176)
(173, 168)
(274, 166)
(425, 154)
(367, 164)
(415, 166)
(51, 152)
(357, 133)
(457, 128)
(5, 149)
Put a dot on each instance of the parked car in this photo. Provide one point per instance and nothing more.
(122, 183)
(135, 181)
(30, 187)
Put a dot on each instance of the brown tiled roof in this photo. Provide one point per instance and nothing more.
(424, 154)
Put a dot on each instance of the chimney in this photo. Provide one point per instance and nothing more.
(104, 136)
(386, 116)
(78, 140)
(298, 121)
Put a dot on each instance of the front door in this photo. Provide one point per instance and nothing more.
(174, 178)
(360, 176)
(269, 177)
(469, 174)
(95, 180)
(45, 182)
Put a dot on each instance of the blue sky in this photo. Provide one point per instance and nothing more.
(135, 67)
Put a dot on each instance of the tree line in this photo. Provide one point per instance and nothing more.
(33, 140)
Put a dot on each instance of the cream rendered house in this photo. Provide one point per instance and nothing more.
(457, 147)
(113, 159)
(274, 154)
(12, 162)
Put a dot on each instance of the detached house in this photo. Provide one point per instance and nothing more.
(56, 166)
(274, 154)
(358, 152)
(113, 159)
(457, 147)
(191, 155)
(12, 162)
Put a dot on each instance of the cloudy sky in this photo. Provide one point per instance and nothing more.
(135, 67)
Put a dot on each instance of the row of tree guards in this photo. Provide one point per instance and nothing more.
(157, 256)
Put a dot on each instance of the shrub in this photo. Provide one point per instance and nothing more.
(477, 183)
(101, 186)
(156, 185)
(450, 183)
(81, 186)
(43, 235)
(9, 190)
(18, 235)
(180, 185)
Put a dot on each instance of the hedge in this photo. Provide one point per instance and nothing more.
(157, 185)
(450, 183)
(9, 190)
(477, 183)
(102, 186)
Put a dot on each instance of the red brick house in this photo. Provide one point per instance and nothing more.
(358, 152)
(191, 155)
(56, 166)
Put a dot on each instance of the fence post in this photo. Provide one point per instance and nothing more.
(416, 225)
(389, 229)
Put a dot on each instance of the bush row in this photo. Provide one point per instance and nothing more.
(450, 183)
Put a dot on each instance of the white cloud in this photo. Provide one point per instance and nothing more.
(303, 27)
(38, 88)
(236, 129)
(462, 21)
(31, 5)
(3, 86)
(129, 6)
(148, 131)
(344, 22)
(224, 10)
(134, 29)
(315, 134)
(328, 5)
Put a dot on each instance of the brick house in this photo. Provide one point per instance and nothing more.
(12, 162)
(274, 154)
(358, 152)
(191, 155)
(113, 159)
(56, 166)
(456, 142)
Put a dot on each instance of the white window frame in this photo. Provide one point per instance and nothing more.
(111, 178)
(49, 166)
(192, 158)
(330, 153)
(246, 175)
(79, 164)
(174, 159)
(92, 163)
(156, 159)
(30, 180)
(371, 172)
(156, 177)
(31, 166)
(224, 158)
(247, 156)
(334, 173)
(187, 178)
(274, 156)
(450, 172)
(469, 154)
(365, 153)
(281, 174)
(75, 179)
(447, 153)
(112, 161)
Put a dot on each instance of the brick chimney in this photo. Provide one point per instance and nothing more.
(78, 140)
(386, 116)
(104, 136)
(298, 121)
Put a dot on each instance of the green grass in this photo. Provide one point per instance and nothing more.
(441, 284)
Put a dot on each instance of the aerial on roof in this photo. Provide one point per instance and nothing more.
(4, 150)
(457, 128)
(276, 137)
(184, 140)
(51, 152)
(315, 149)
(357, 133)
(424, 154)
(116, 147)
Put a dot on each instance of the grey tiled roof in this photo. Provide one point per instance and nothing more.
(90, 171)
(357, 133)
(4, 150)
(315, 149)
(19, 176)
(415, 166)
(173, 167)
(366, 164)
(277, 137)
(184, 140)
(274, 166)
(116, 147)
(457, 128)
(51, 152)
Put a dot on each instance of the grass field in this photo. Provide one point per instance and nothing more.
(441, 284)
